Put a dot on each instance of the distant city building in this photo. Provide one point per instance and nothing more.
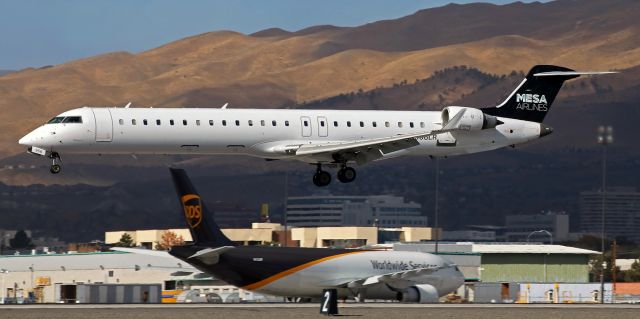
(622, 213)
(519, 227)
(329, 210)
(498, 230)
(468, 235)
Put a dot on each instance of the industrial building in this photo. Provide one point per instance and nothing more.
(517, 262)
(328, 210)
(273, 233)
(622, 212)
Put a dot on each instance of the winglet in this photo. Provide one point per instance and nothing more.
(127, 106)
(224, 107)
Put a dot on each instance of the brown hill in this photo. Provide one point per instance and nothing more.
(278, 69)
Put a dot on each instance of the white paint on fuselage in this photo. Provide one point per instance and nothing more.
(252, 131)
(310, 281)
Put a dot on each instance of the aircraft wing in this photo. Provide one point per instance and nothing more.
(362, 151)
(394, 279)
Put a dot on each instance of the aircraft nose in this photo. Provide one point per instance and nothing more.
(26, 140)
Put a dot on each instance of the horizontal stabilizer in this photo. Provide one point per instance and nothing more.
(572, 73)
(210, 256)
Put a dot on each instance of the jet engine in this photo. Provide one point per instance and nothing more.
(472, 119)
(419, 293)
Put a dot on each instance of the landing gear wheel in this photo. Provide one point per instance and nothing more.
(321, 178)
(346, 174)
(55, 169)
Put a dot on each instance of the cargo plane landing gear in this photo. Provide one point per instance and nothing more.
(323, 178)
(55, 167)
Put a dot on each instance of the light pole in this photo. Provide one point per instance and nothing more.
(286, 195)
(541, 231)
(435, 221)
(4, 273)
(605, 137)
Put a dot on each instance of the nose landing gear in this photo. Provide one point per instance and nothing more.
(55, 167)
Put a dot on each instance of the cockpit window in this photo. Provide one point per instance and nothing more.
(56, 119)
(72, 119)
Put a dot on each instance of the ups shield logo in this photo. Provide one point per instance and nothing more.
(192, 209)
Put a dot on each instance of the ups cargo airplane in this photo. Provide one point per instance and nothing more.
(320, 137)
(305, 272)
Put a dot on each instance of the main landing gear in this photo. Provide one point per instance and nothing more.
(323, 178)
(55, 167)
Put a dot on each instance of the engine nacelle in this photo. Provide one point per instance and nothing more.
(419, 293)
(472, 119)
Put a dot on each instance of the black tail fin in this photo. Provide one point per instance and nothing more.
(203, 228)
(532, 99)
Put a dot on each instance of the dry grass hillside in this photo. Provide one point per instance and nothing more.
(277, 68)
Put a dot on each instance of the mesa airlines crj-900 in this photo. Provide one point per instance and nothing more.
(320, 137)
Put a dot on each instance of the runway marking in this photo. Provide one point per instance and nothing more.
(314, 305)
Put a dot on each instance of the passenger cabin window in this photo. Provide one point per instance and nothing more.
(224, 122)
(210, 122)
(262, 123)
(237, 123)
(273, 123)
(158, 122)
(56, 119)
(386, 124)
(374, 124)
(184, 122)
(121, 121)
(399, 124)
(361, 124)
(286, 123)
(144, 122)
(133, 122)
(335, 123)
(72, 119)
(411, 124)
(250, 123)
(198, 122)
(171, 122)
(421, 124)
(348, 123)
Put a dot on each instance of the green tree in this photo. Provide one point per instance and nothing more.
(21, 241)
(125, 241)
(633, 274)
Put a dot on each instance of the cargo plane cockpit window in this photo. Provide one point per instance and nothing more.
(72, 119)
(56, 119)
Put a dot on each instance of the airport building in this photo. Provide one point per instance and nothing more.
(520, 228)
(622, 213)
(328, 210)
(273, 233)
(517, 262)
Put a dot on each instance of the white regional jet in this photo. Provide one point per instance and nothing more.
(330, 137)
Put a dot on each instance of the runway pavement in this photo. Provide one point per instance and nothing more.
(299, 311)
